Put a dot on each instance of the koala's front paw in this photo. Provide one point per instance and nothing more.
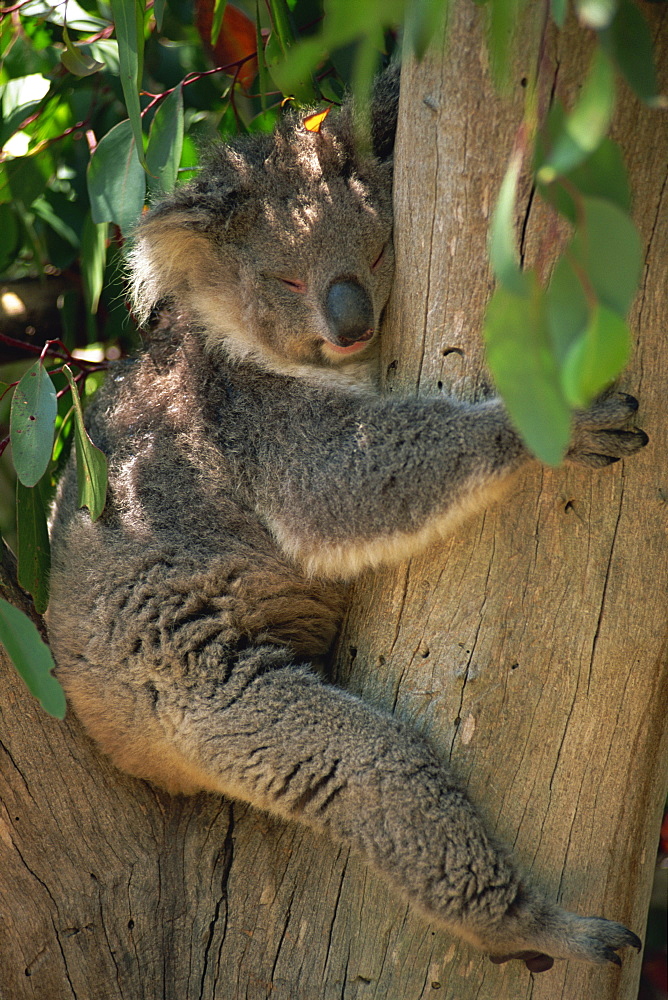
(602, 434)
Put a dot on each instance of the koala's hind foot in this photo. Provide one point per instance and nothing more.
(538, 932)
(602, 435)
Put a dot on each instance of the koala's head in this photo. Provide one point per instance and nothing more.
(281, 248)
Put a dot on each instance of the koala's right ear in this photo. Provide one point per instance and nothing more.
(176, 246)
(385, 110)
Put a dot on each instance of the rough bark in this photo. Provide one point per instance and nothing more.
(531, 648)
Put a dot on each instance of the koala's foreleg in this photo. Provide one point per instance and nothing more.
(376, 482)
(274, 735)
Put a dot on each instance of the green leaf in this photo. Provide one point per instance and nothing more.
(75, 59)
(629, 41)
(425, 24)
(27, 177)
(23, 94)
(77, 17)
(10, 234)
(159, 12)
(504, 17)
(91, 462)
(525, 372)
(116, 179)
(32, 658)
(282, 24)
(263, 75)
(503, 253)
(163, 153)
(128, 18)
(566, 309)
(559, 9)
(105, 50)
(34, 559)
(217, 21)
(93, 259)
(32, 423)
(588, 122)
(596, 359)
(44, 211)
(596, 13)
(601, 175)
(608, 250)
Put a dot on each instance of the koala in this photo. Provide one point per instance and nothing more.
(255, 469)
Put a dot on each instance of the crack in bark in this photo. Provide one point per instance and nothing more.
(402, 674)
(228, 859)
(597, 631)
(62, 953)
(288, 917)
(334, 915)
(18, 770)
(112, 953)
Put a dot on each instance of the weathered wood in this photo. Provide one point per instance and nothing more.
(530, 648)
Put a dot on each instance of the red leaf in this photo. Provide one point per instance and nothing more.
(236, 40)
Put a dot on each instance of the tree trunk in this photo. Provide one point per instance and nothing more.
(531, 648)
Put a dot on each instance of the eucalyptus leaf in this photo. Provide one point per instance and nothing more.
(159, 12)
(93, 259)
(602, 175)
(32, 423)
(566, 309)
(10, 234)
(585, 127)
(45, 212)
(91, 462)
(165, 142)
(217, 21)
(525, 371)
(128, 18)
(76, 60)
(116, 179)
(34, 558)
(503, 252)
(32, 658)
(595, 360)
(559, 9)
(425, 23)
(629, 41)
(596, 13)
(608, 250)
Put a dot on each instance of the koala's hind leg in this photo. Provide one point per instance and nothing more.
(271, 733)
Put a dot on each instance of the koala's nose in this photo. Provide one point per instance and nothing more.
(349, 312)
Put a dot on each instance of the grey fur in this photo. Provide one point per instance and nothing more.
(253, 470)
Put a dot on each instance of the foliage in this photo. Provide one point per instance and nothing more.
(555, 346)
(103, 106)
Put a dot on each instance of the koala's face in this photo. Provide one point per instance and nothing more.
(282, 248)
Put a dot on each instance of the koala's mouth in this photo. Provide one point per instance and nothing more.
(351, 348)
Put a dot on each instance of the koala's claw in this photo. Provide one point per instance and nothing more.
(535, 961)
(601, 435)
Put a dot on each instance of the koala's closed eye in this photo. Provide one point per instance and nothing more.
(293, 284)
(379, 258)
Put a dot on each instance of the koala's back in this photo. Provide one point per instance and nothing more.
(178, 560)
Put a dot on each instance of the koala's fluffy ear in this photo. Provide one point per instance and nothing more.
(174, 248)
(384, 111)
(381, 116)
